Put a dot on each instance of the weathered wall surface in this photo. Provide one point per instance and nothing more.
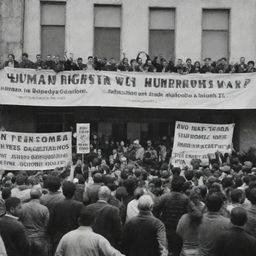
(11, 28)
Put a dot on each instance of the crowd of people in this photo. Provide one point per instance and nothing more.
(130, 200)
(142, 63)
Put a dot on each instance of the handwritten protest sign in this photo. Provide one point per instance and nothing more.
(196, 140)
(82, 138)
(34, 151)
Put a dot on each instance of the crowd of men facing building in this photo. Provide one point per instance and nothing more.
(129, 200)
(157, 64)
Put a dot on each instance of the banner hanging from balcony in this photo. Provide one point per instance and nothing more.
(125, 89)
(34, 151)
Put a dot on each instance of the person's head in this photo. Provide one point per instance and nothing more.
(136, 143)
(87, 217)
(188, 61)
(35, 193)
(176, 171)
(236, 196)
(38, 57)
(90, 59)
(177, 183)
(104, 193)
(48, 57)
(20, 179)
(112, 61)
(99, 152)
(125, 61)
(179, 62)
(11, 57)
(251, 64)
(197, 64)
(138, 192)
(139, 60)
(149, 143)
(53, 183)
(133, 62)
(97, 178)
(24, 56)
(80, 60)
(207, 61)
(6, 193)
(145, 203)
(214, 202)
(224, 61)
(252, 196)
(68, 189)
(238, 216)
(13, 206)
(164, 63)
(121, 193)
(242, 60)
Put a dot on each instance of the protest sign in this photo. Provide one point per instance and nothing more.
(34, 151)
(127, 89)
(82, 138)
(196, 141)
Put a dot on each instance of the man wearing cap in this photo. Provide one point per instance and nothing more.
(236, 242)
(35, 216)
(207, 68)
(145, 234)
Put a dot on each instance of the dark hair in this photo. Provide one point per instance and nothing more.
(235, 195)
(130, 185)
(20, 179)
(97, 178)
(53, 183)
(189, 175)
(24, 54)
(79, 58)
(214, 202)
(11, 202)
(238, 216)
(177, 183)
(121, 193)
(6, 193)
(252, 195)
(195, 215)
(138, 193)
(87, 217)
(176, 171)
(10, 54)
(68, 189)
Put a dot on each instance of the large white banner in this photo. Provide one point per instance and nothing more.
(83, 138)
(127, 89)
(196, 141)
(34, 151)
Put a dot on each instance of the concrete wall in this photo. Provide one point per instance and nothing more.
(11, 28)
(135, 22)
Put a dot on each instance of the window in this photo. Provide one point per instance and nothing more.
(107, 31)
(215, 34)
(53, 19)
(161, 32)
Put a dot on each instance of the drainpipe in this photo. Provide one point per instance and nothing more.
(23, 25)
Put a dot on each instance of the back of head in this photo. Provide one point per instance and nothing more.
(6, 193)
(97, 178)
(177, 183)
(104, 193)
(20, 179)
(11, 202)
(121, 193)
(87, 217)
(68, 189)
(138, 193)
(145, 203)
(236, 195)
(214, 202)
(35, 193)
(176, 171)
(252, 196)
(238, 216)
(53, 183)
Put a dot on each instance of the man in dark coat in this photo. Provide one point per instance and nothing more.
(12, 231)
(236, 242)
(169, 208)
(107, 222)
(144, 234)
(64, 215)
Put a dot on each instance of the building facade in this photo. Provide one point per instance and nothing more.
(115, 28)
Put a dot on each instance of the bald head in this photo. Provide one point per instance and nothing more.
(35, 193)
(145, 203)
(104, 193)
(238, 216)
